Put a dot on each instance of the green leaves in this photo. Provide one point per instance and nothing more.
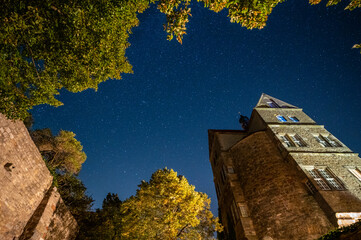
(49, 45)
(69, 152)
(62, 152)
(177, 13)
(73, 192)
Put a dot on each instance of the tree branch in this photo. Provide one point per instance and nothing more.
(180, 231)
(31, 53)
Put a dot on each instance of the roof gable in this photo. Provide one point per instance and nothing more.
(266, 101)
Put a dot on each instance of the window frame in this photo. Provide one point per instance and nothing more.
(287, 140)
(298, 141)
(281, 118)
(293, 118)
(293, 140)
(327, 141)
(272, 104)
(332, 141)
(326, 180)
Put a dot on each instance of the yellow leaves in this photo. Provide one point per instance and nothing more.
(177, 13)
(164, 207)
(357, 46)
(352, 5)
(313, 2)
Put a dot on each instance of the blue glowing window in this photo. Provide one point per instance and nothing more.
(281, 118)
(293, 119)
(271, 103)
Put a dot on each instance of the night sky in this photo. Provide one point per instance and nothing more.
(159, 116)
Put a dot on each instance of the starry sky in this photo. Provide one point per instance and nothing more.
(159, 116)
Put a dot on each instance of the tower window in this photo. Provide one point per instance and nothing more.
(310, 187)
(327, 141)
(293, 140)
(293, 118)
(298, 141)
(272, 104)
(332, 141)
(281, 118)
(325, 179)
(286, 139)
(356, 172)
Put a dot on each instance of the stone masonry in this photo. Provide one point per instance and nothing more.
(285, 177)
(30, 208)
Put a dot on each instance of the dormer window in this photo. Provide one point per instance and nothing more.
(293, 118)
(281, 118)
(272, 104)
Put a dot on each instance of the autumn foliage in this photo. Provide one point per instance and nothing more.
(168, 207)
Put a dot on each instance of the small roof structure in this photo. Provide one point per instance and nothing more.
(267, 101)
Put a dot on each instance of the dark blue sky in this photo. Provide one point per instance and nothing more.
(159, 116)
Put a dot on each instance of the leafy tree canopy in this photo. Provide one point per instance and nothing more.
(168, 207)
(105, 223)
(49, 45)
(73, 192)
(53, 44)
(62, 152)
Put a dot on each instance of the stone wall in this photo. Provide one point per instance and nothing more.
(307, 134)
(268, 115)
(26, 196)
(278, 201)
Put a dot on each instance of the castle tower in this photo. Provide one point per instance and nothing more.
(286, 177)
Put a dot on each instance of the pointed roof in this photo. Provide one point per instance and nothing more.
(266, 101)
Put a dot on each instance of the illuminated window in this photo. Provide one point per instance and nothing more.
(281, 118)
(293, 119)
(327, 141)
(325, 179)
(272, 104)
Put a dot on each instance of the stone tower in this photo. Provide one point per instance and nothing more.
(285, 177)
